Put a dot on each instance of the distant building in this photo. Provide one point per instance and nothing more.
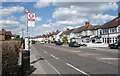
(5, 35)
(2, 35)
(67, 34)
(39, 38)
(8, 35)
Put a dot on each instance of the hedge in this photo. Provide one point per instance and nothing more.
(10, 53)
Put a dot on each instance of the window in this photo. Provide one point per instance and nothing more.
(103, 39)
(119, 28)
(109, 40)
(113, 40)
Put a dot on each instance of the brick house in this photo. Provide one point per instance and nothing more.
(5, 35)
(2, 35)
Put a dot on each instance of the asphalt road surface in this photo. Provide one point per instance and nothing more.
(82, 60)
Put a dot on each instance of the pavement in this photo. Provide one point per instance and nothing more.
(42, 66)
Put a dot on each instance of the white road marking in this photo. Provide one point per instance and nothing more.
(45, 52)
(53, 68)
(54, 57)
(77, 69)
(110, 59)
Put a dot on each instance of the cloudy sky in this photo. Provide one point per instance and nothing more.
(51, 16)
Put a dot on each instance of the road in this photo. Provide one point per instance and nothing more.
(83, 60)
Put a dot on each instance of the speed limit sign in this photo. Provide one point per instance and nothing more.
(31, 16)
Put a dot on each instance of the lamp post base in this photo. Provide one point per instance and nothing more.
(25, 60)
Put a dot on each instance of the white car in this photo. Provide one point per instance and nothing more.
(42, 42)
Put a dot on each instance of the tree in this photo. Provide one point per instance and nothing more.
(65, 39)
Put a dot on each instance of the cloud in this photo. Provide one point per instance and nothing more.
(13, 26)
(76, 13)
(101, 18)
(42, 3)
(38, 19)
(10, 10)
(23, 18)
(46, 25)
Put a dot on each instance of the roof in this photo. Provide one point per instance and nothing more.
(8, 33)
(2, 31)
(113, 23)
(87, 26)
(67, 32)
(39, 37)
(53, 33)
(96, 37)
(85, 36)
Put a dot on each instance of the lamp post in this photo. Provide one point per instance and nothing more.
(26, 52)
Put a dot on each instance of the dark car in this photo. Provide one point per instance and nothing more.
(74, 44)
(33, 42)
(81, 44)
(58, 42)
(114, 46)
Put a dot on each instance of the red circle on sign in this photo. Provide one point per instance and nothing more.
(31, 15)
(26, 11)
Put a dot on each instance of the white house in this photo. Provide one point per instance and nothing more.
(39, 38)
(87, 33)
(111, 31)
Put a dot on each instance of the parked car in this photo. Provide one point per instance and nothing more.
(74, 44)
(33, 42)
(58, 42)
(81, 44)
(114, 45)
(42, 42)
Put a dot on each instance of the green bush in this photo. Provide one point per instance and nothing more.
(10, 52)
(64, 39)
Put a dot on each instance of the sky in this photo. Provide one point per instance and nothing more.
(52, 16)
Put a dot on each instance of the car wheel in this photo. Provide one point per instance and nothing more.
(111, 47)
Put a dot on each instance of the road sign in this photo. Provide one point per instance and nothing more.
(31, 16)
(26, 11)
(31, 23)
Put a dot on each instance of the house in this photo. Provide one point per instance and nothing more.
(14, 36)
(5, 35)
(87, 33)
(52, 36)
(2, 35)
(38, 38)
(111, 31)
(8, 35)
(67, 34)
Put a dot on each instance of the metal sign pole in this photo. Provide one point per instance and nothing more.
(26, 53)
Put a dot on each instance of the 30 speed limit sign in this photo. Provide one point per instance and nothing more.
(31, 16)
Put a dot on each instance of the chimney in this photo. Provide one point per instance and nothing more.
(87, 23)
(67, 29)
